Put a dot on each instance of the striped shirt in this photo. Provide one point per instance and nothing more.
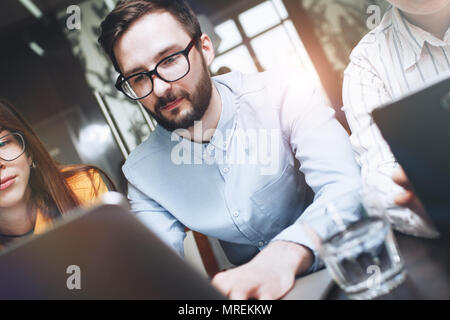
(392, 60)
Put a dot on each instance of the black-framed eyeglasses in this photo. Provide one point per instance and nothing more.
(12, 146)
(170, 69)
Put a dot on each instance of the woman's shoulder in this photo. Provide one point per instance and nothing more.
(85, 182)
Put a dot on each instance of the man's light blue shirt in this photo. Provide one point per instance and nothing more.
(277, 147)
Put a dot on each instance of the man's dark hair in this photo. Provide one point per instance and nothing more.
(127, 12)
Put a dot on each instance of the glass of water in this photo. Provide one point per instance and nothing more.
(359, 250)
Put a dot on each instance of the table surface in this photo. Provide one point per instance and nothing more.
(427, 265)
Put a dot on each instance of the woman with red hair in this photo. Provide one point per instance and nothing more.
(34, 189)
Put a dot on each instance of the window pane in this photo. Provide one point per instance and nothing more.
(280, 8)
(282, 47)
(229, 35)
(274, 49)
(237, 60)
(259, 18)
(301, 51)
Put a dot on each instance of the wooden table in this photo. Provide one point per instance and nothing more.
(427, 265)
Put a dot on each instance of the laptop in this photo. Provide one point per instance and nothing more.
(101, 253)
(417, 129)
(107, 253)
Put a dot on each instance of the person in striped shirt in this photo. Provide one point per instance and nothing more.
(409, 48)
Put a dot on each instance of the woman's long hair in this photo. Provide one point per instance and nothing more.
(50, 191)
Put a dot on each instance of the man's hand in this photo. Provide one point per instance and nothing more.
(408, 199)
(269, 275)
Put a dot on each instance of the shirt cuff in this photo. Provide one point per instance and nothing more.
(296, 234)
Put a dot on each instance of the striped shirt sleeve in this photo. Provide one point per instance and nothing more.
(363, 91)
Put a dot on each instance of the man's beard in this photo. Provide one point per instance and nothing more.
(199, 100)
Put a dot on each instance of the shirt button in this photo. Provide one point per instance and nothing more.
(261, 244)
(210, 148)
(236, 213)
(226, 170)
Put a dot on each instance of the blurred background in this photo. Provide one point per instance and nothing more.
(55, 73)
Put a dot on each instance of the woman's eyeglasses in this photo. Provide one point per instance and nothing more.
(12, 146)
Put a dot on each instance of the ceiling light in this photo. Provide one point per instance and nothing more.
(36, 48)
(32, 8)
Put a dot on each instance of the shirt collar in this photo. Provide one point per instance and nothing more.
(225, 127)
(227, 122)
(413, 39)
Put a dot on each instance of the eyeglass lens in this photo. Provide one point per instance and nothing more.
(12, 146)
